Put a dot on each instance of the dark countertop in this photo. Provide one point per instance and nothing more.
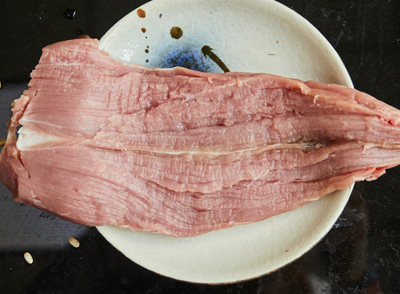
(361, 254)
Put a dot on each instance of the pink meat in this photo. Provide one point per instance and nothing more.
(181, 152)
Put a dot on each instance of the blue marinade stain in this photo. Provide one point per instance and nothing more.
(195, 58)
(191, 58)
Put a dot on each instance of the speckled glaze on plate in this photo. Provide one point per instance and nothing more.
(248, 36)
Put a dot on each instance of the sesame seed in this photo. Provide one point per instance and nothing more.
(74, 242)
(28, 257)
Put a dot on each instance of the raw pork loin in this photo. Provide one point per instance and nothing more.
(181, 152)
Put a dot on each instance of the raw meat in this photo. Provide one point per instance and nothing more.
(181, 152)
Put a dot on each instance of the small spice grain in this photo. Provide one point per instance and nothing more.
(74, 242)
(28, 257)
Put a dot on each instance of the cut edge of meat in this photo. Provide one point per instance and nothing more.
(10, 155)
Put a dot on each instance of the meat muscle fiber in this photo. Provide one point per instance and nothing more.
(181, 152)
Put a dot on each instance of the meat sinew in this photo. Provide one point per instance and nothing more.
(181, 152)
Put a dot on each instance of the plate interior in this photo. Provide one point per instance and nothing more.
(248, 36)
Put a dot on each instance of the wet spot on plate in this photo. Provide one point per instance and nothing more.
(141, 13)
(176, 32)
(208, 52)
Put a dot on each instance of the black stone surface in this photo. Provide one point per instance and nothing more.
(361, 254)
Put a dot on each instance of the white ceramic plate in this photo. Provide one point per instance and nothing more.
(253, 36)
